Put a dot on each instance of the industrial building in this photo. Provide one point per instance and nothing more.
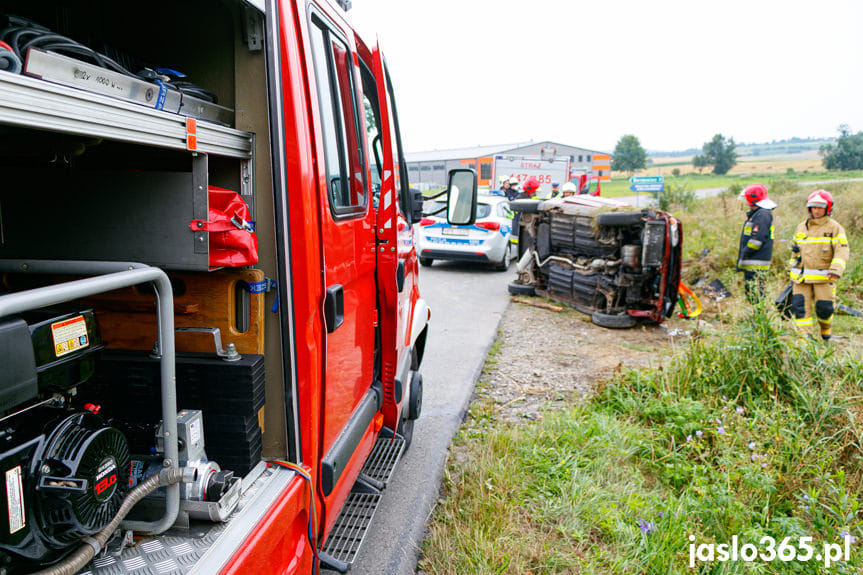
(428, 170)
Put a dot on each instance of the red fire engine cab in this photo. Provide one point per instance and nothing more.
(210, 323)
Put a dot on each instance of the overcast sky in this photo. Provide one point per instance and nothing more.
(671, 72)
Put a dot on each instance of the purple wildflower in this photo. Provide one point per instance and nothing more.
(720, 430)
(846, 535)
(647, 527)
(698, 433)
(689, 437)
(739, 410)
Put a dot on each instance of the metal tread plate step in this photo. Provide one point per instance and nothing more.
(383, 458)
(351, 526)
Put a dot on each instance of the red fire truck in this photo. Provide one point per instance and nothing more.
(210, 324)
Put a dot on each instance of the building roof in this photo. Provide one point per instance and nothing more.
(458, 153)
(477, 151)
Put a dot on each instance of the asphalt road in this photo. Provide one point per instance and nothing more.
(467, 304)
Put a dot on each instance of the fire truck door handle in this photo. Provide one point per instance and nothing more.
(400, 275)
(334, 307)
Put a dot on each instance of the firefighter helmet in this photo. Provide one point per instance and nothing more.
(513, 181)
(820, 199)
(531, 185)
(568, 189)
(756, 195)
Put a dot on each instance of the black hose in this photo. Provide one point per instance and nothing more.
(84, 554)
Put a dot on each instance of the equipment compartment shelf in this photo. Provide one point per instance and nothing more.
(32, 103)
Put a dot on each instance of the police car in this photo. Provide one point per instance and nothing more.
(486, 241)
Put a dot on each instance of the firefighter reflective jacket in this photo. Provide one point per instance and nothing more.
(823, 249)
(756, 241)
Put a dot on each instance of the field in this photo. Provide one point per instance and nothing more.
(796, 167)
(668, 438)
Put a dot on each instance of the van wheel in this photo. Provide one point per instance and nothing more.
(516, 288)
(613, 320)
(426, 262)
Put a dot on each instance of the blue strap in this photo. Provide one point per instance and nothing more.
(163, 93)
(263, 287)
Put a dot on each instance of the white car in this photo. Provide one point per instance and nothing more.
(486, 241)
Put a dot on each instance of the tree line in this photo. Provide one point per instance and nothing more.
(721, 155)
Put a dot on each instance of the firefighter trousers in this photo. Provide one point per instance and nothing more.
(819, 298)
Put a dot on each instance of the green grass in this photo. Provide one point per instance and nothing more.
(751, 430)
(620, 186)
(753, 434)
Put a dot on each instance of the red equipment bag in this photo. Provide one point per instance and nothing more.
(233, 242)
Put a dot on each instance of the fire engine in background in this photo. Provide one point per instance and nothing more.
(546, 169)
(210, 323)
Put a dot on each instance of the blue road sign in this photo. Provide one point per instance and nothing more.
(637, 188)
(635, 180)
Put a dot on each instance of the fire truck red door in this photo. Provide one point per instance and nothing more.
(348, 245)
(388, 221)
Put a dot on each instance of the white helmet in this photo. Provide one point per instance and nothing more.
(513, 181)
(568, 188)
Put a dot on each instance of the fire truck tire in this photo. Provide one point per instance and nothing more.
(619, 218)
(406, 430)
(426, 262)
(415, 402)
(613, 320)
(525, 205)
(516, 288)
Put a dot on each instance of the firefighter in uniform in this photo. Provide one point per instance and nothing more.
(529, 190)
(756, 241)
(819, 255)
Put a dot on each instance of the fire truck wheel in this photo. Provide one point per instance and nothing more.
(406, 430)
(426, 262)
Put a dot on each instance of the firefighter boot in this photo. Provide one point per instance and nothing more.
(801, 307)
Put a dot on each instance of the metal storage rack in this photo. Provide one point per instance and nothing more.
(125, 205)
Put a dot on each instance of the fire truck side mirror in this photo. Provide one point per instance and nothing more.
(416, 206)
(461, 197)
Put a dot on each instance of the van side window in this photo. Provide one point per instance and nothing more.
(340, 121)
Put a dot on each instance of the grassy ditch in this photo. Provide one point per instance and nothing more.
(754, 434)
(749, 432)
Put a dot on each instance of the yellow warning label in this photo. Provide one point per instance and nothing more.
(69, 335)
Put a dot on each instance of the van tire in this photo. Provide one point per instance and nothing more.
(613, 320)
(426, 262)
(516, 288)
(525, 205)
(619, 218)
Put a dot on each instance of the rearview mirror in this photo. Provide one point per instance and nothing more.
(461, 197)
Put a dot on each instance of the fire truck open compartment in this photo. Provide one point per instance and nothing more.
(95, 178)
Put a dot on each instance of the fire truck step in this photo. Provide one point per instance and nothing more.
(384, 457)
(351, 527)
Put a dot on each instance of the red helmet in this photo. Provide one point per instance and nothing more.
(754, 193)
(820, 199)
(530, 185)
